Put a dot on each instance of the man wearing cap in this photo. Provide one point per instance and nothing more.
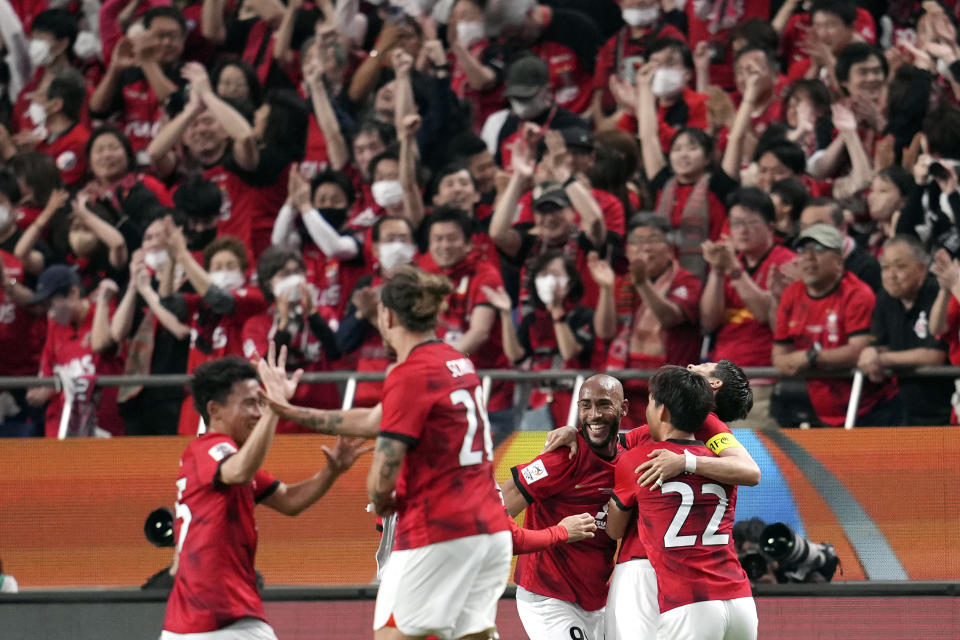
(555, 208)
(531, 100)
(823, 322)
(78, 346)
(856, 260)
(568, 40)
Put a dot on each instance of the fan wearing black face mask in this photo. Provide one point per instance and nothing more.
(312, 221)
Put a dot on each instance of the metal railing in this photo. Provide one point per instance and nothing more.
(488, 376)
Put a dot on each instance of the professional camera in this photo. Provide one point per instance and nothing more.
(159, 527)
(798, 559)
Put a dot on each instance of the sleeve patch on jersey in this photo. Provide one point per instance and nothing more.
(722, 441)
(534, 471)
(221, 450)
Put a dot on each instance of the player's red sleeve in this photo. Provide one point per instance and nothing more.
(545, 475)
(208, 460)
(634, 437)
(711, 426)
(264, 484)
(625, 480)
(534, 540)
(401, 417)
(858, 310)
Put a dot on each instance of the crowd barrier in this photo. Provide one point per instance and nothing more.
(350, 379)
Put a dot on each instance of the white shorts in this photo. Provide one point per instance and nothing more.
(632, 609)
(449, 589)
(711, 620)
(547, 618)
(242, 629)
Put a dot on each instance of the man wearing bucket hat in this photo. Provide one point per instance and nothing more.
(823, 322)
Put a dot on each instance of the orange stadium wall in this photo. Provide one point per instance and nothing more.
(72, 513)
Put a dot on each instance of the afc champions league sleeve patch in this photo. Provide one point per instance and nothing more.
(722, 441)
(66, 161)
(534, 471)
(221, 450)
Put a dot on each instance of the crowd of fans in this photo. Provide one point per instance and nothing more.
(607, 185)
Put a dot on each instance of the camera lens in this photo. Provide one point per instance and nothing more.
(754, 565)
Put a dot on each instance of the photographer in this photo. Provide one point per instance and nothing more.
(776, 554)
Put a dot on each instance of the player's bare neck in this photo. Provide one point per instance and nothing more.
(676, 434)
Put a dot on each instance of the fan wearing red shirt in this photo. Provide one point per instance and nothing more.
(219, 307)
(22, 333)
(220, 482)
(632, 609)
(836, 26)
(651, 314)
(143, 76)
(78, 346)
(945, 314)
(470, 323)
(433, 467)
(824, 322)
(736, 301)
(702, 589)
(472, 78)
(561, 591)
(627, 50)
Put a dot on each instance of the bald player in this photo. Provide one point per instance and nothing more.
(561, 591)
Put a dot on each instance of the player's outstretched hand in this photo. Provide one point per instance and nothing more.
(273, 374)
(561, 437)
(661, 466)
(579, 526)
(344, 453)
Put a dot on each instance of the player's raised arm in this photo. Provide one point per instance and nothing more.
(241, 467)
(292, 499)
(357, 423)
(617, 519)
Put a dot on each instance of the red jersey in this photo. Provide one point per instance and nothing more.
(952, 335)
(485, 102)
(22, 333)
(622, 55)
(315, 158)
(742, 337)
(216, 536)
(214, 336)
(631, 547)
(333, 279)
(69, 152)
(433, 402)
(557, 487)
(795, 32)
(468, 278)
(67, 348)
(831, 321)
(689, 549)
(713, 21)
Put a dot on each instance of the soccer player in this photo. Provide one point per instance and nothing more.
(214, 592)
(432, 466)
(703, 591)
(561, 591)
(632, 609)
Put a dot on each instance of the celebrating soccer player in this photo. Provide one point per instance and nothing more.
(703, 591)
(214, 591)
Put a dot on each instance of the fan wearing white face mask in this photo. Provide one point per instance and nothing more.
(556, 333)
(292, 320)
(393, 247)
(644, 23)
(218, 308)
(52, 34)
(470, 78)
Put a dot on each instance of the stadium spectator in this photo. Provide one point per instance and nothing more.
(945, 313)
(736, 301)
(823, 322)
(650, 314)
(856, 260)
(218, 307)
(78, 347)
(556, 334)
(790, 198)
(143, 76)
(154, 322)
(889, 191)
(292, 321)
(901, 333)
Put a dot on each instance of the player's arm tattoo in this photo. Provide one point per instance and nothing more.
(319, 420)
(387, 459)
(358, 422)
